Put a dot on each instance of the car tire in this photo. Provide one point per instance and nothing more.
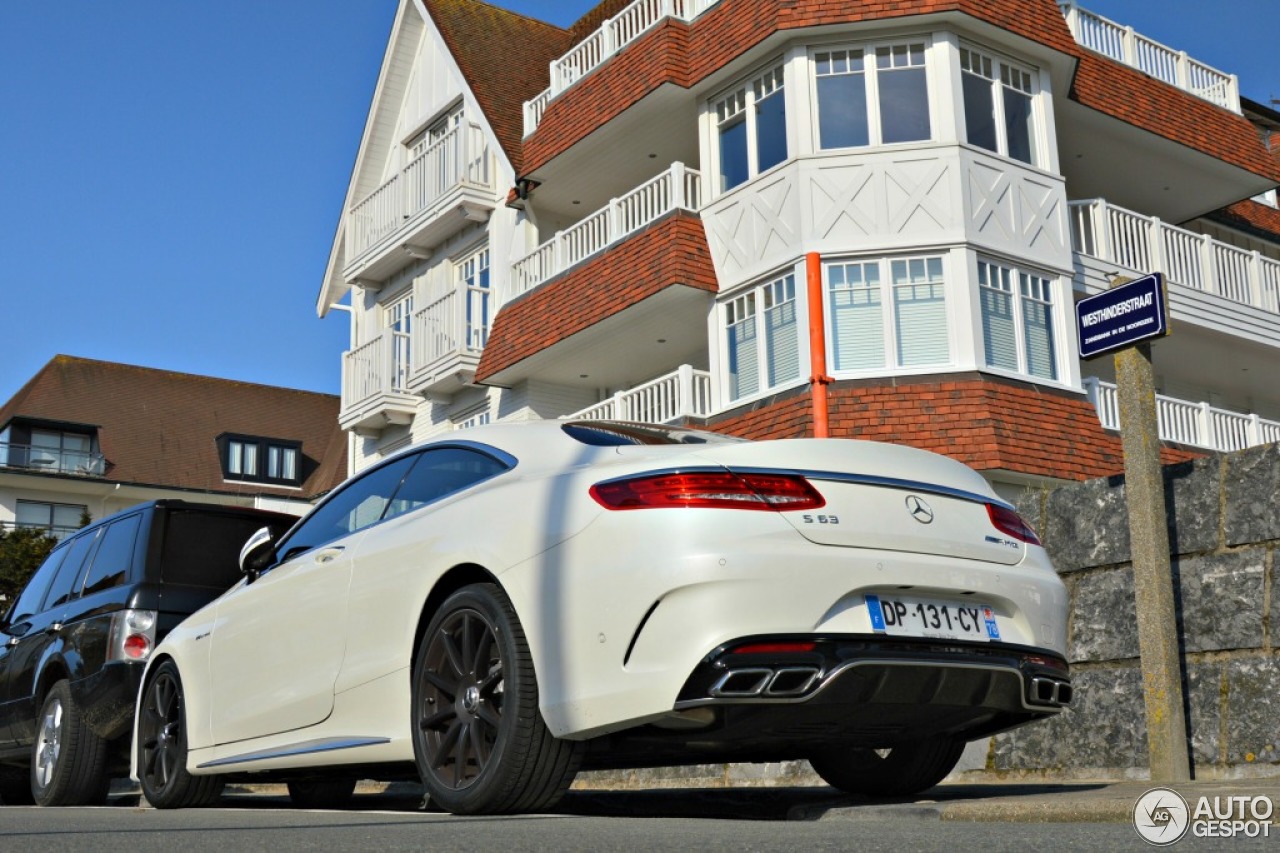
(68, 761)
(15, 786)
(905, 769)
(162, 747)
(478, 737)
(321, 793)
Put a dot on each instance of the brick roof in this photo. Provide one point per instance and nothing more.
(1249, 215)
(504, 57)
(158, 428)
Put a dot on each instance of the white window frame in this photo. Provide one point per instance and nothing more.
(476, 292)
(397, 319)
(1022, 287)
(738, 104)
(753, 307)
(871, 75)
(1002, 73)
(937, 271)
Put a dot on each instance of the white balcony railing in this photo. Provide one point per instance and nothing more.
(677, 188)
(454, 323)
(377, 367)
(460, 158)
(1174, 67)
(684, 393)
(614, 34)
(1196, 424)
(1145, 244)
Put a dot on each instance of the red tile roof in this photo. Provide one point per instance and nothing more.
(158, 428)
(1249, 215)
(505, 59)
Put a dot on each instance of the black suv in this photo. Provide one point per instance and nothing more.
(74, 643)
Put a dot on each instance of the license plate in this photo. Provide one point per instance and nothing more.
(903, 616)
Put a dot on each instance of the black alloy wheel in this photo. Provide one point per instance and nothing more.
(162, 747)
(479, 739)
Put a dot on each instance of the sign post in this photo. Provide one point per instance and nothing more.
(1124, 320)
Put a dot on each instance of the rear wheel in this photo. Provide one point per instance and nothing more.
(68, 761)
(478, 736)
(162, 747)
(905, 769)
(322, 793)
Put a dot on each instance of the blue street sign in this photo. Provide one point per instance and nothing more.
(1122, 316)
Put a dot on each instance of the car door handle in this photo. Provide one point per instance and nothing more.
(328, 555)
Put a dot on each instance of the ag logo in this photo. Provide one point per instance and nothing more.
(1161, 816)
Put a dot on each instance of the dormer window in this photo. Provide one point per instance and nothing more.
(261, 460)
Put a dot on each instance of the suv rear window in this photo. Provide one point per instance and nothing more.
(618, 433)
(203, 549)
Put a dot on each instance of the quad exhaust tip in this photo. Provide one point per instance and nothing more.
(765, 681)
(1050, 691)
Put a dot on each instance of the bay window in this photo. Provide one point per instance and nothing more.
(887, 314)
(762, 338)
(872, 95)
(1017, 320)
(751, 128)
(998, 105)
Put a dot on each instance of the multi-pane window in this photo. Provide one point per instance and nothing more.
(872, 95)
(263, 460)
(1017, 320)
(751, 128)
(888, 314)
(399, 319)
(56, 519)
(473, 278)
(474, 419)
(762, 338)
(998, 105)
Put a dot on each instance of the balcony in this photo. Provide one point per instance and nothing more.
(447, 185)
(375, 385)
(1145, 244)
(1183, 422)
(447, 338)
(683, 393)
(1174, 67)
(614, 34)
(678, 188)
(51, 460)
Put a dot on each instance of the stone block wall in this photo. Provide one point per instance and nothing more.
(1223, 514)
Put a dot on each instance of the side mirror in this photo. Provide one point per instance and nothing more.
(257, 553)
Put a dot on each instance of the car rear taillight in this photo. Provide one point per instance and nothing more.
(781, 648)
(133, 635)
(709, 489)
(1008, 521)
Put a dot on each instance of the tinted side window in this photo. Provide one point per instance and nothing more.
(28, 602)
(114, 559)
(204, 549)
(359, 504)
(64, 583)
(439, 473)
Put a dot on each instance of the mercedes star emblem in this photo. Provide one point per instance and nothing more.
(919, 510)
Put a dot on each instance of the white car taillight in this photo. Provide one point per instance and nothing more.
(133, 635)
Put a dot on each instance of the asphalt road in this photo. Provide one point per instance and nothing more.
(752, 819)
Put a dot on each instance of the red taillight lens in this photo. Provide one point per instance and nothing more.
(775, 648)
(137, 646)
(1008, 521)
(709, 489)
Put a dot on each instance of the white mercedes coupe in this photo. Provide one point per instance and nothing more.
(494, 610)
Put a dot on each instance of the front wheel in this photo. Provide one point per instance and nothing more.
(68, 761)
(904, 769)
(162, 747)
(479, 739)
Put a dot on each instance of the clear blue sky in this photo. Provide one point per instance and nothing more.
(171, 171)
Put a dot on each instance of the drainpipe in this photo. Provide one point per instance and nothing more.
(818, 379)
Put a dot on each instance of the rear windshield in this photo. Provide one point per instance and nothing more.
(204, 549)
(617, 433)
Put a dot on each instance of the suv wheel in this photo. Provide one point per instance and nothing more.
(68, 761)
